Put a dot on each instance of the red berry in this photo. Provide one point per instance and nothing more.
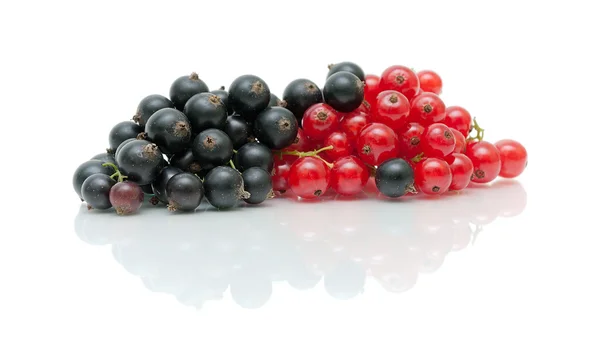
(438, 141)
(462, 170)
(401, 79)
(319, 121)
(126, 197)
(486, 161)
(458, 118)
(352, 123)
(427, 108)
(309, 177)
(513, 157)
(280, 174)
(349, 176)
(341, 146)
(301, 143)
(371, 88)
(364, 107)
(391, 108)
(377, 143)
(461, 141)
(430, 81)
(433, 176)
(410, 140)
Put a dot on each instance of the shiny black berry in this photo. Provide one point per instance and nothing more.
(224, 187)
(258, 183)
(95, 191)
(344, 91)
(141, 161)
(224, 96)
(169, 129)
(274, 101)
(85, 170)
(185, 161)
(299, 95)
(105, 157)
(148, 106)
(249, 95)
(276, 127)
(184, 88)
(184, 192)
(147, 189)
(348, 67)
(122, 145)
(159, 186)
(212, 147)
(253, 155)
(206, 111)
(121, 132)
(395, 177)
(238, 130)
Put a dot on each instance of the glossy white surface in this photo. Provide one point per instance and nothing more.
(338, 269)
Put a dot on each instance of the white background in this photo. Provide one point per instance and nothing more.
(527, 70)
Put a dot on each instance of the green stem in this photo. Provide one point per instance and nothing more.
(479, 130)
(305, 153)
(234, 151)
(418, 158)
(117, 173)
(330, 165)
(231, 164)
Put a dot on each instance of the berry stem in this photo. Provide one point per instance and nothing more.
(480, 131)
(305, 154)
(418, 158)
(330, 165)
(231, 164)
(117, 173)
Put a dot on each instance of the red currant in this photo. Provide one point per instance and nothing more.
(427, 108)
(371, 88)
(349, 175)
(319, 121)
(430, 81)
(377, 143)
(410, 140)
(461, 141)
(364, 107)
(401, 79)
(309, 177)
(353, 122)
(301, 143)
(513, 157)
(280, 174)
(438, 141)
(458, 118)
(341, 146)
(391, 108)
(433, 176)
(486, 161)
(462, 170)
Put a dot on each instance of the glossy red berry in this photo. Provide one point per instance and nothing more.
(391, 108)
(513, 156)
(430, 81)
(309, 177)
(349, 176)
(427, 108)
(377, 143)
(438, 141)
(461, 141)
(410, 140)
(433, 176)
(462, 170)
(458, 118)
(352, 123)
(319, 121)
(400, 78)
(341, 146)
(280, 174)
(486, 161)
(371, 88)
(301, 143)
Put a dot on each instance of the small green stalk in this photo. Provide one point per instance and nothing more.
(118, 175)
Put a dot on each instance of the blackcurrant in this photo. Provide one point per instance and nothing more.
(95, 191)
(224, 187)
(184, 88)
(344, 91)
(85, 170)
(122, 145)
(253, 155)
(184, 192)
(348, 67)
(105, 157)
(206, 111)
(148, 106)
(249, 95)
(301, 94)
(185, 161)
(169, 129)
(258, 183)
(147, 189)
(141, 161)
(274, 101)
(121, 132)
(212, 147)
(395, 177)
(224, 96)
(276, 127)
(238, 130)
(159, 186)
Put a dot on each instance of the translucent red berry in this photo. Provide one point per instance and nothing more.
(410, 140)
(391, 108)
(371, 88)
(433, 176)
(126, 197)
(461, 141)
(280, 174)
(427, 108)
(341, 146)
(400, 78)
(349, 176)
(513, 156)
(438, 141)
(458, 118)
(377, 143)
(462, 170)
(429, 81)
(309, 177)
(352, 123)
(486, 161)
(319, 121)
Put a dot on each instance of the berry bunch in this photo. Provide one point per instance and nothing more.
(245, 144)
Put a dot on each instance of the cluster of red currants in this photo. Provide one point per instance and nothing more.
(403, 134)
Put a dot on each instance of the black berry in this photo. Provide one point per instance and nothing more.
(148, 106)
(348, 67)
(184, 88)
(184, 192)
(276, 127)
(105, 157)
(344, 91)
(258, 183)
(212, 147)
(206, 111)
(147, 189)
(395, 177)
(253, 155)
(141, 161)
(159, 186)
(224, 96)
(121, 132)
(85, 170)
(299, 95)
(274, 101)
(95, 191)
(122, 145)
(186, 162)
(169, 129)
(249, 95)
(238, 130)
(224, 187)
